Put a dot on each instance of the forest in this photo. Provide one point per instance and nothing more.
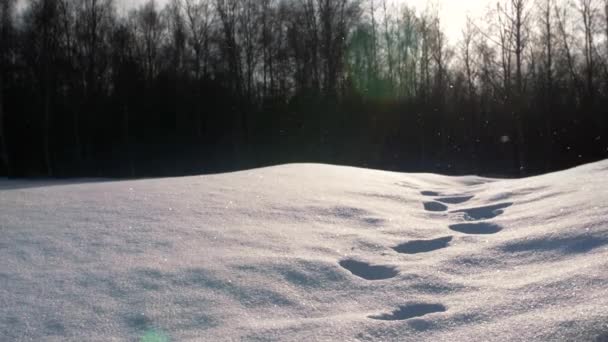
(202, 86)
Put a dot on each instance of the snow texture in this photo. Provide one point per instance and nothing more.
(306, 253)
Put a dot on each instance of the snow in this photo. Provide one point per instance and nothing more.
(306, 252)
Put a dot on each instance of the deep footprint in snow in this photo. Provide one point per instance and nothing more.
(481, 228)
(410, 311)
(429, 193)
(423, 246)
(367, 271)
(434, 206)
(484, 213)
(455, 199)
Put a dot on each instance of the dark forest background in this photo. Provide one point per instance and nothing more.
(213, 85)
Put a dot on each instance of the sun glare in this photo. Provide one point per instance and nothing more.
(453, 13)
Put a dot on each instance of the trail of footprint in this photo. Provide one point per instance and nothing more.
(483, 213)
(455, 199)
(423, 246)
(435, 206)
(410, 311)
(481, 228)
(367, 271)
(378, 272)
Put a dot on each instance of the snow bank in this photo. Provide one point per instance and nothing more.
(306, 253)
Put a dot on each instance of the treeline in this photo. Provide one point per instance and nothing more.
(209, 85)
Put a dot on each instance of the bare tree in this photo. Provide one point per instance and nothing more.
(439, 54)
(388, 37)
(267, 51)
(513, 17)
(178, 36)
(69, 45)
(545, 20)
(588, 13)
(249, 30)
(335, 20)
(469, 63)
(92, 25)
(547, 34)
(312, 44)
(374, 40)
(606, 45)
(199, 18)
(467, 56)
(606, 38)
(561, 14)
(424, 30)
(42, 49)
(6, 40)
(519, 19)
(327, 16)
(407, 52)
(122, 62)
(151, 30)
(228, 15)
(606, 27)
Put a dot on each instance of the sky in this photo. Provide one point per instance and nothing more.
(453, 12)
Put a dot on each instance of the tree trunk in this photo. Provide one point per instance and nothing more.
(46, 122)
(374, 59)
(3, 140)
(46, 127)
(389, 46)
(76, 131)
(127, 141)
(569, 58)
(549, 86)
(606, 30)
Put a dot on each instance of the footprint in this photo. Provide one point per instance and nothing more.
(423, 246)
(434, 206)
(483, 213)
(410, 311)
(429, 193)
(455, 199)
(367, 271)
(481, 228)
(572, 244)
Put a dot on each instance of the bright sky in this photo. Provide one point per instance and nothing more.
(453, 12)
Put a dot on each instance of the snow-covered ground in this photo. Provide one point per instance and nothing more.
(306, 253)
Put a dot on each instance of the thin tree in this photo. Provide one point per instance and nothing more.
(388, 37)
(467, 56)
(151, 30)
(267, 52)
(45, 18)
(6, 40)
(248, 24)
(545, 19)
(561, 15)
(199, 17)
(606, 45)
(374, 41)
(588, 12)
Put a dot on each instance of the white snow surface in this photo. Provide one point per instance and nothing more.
(306, 252)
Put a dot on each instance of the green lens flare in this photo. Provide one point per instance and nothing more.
(154, 336)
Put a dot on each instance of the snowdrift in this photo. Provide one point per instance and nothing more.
(306, 253)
